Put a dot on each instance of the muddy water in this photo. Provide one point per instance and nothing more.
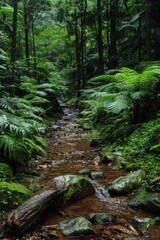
(68, 152)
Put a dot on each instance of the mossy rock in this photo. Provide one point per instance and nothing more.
(79, 187)
(79, 227)
(126, 184)
(13, 194)
(147, 201)
(6, 172)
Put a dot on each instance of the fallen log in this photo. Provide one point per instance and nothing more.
(154, 181)
(20, 219)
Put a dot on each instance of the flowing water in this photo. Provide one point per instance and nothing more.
(68, 152)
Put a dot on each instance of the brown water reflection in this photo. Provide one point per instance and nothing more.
(68, 152)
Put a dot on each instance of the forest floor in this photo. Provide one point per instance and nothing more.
(69, 151)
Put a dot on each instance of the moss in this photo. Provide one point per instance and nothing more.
(13, 194)
(6, 173)
(73, 190)
(34, 187)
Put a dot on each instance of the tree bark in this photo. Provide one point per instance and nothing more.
(22, 218)
(113, 60)
(14, 32)
(99, 39)
(78, 62)
(26, 32)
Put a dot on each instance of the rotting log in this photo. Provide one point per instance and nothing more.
(154, 181)
(22, 218)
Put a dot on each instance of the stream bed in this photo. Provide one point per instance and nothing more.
(68, 152)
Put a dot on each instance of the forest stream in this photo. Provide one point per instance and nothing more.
(68, 152)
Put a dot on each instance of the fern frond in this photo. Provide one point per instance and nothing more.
(13, 147)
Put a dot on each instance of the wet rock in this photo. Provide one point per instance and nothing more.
(97, 160)
(87, 127)
(96, 142)
(97, 175)
(79, 187)
(53, 128)
(126, 184)
(45, 235)
(102, 218)
(77, 227)
(6, 172)
(84, 171)
(147, 201)
(13, 194)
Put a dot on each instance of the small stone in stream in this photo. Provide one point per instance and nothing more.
(45, 235)
(77, 227)
(97, 175)
(96, 142)
(102, 218)
(87, 127)
(97, 160)
(53, 234)
(84, 171)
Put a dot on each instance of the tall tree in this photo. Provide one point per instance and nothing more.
(14, 31)
(26, 30)
(113, 59)
(99, 38)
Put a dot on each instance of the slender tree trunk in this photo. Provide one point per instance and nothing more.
(113, 60)
(83, 22)
(148, 30)
(34, 47)
(14, 32)
(26, 31)
(99, 39)
(108, 27)
(78, 63)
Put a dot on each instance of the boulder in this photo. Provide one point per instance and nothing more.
(147, 201)
(77, 227)
(126, 184)
(13, 194)
(6, 173)
(97, 175)
(79, 188)
(102, 218)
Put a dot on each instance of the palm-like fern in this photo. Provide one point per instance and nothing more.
(126, 93)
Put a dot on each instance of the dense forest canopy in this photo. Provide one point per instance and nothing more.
(82, 39)
(106, 54)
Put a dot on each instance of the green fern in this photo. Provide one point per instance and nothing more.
(13, 147)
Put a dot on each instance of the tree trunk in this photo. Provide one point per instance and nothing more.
(13, 51)
(22, 218)
(34, 47)
(78, 62)
(148, 31)
(99, 39)
(113, 60)
(26, 32)
(83, 22)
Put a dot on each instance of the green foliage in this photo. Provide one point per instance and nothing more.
(148, 222)
(121, 100)
(138, 149)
